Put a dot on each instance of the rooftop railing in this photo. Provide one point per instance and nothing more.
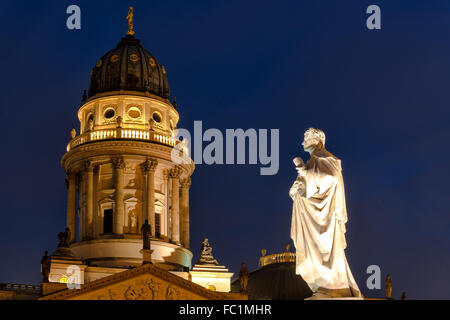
(20, 287)
(277, 258)
(122, 133)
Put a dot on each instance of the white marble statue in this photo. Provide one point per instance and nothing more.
(318, 220)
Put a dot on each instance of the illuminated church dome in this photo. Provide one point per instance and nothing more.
(275, 279)
(129, 67)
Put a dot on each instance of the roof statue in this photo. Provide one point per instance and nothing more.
(45, 267)
(243, 277)
(388, 285)
(64, 238)
(206, 256)
(130, 22)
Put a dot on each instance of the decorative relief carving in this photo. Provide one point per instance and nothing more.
(173, 293)
(142, 289)
(149, 165)
(131, 183)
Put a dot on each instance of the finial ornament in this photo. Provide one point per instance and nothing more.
(130, 22)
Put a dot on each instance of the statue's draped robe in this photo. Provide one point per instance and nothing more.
(318, 225)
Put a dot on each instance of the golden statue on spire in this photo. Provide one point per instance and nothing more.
(130, 22)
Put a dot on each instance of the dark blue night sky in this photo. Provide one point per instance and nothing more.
(382, 98)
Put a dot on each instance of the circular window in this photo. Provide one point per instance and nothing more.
(91, 117)
(134, 113)
(211, 287)
(110, 113)
(114, 58)
(134, 57)
(157, 117)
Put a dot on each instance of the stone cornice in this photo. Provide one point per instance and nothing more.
(119, 147)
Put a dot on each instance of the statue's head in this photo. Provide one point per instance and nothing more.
(313, 138)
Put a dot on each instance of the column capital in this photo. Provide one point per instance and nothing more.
(175, 172)
(118, 163)
(149, 165)
(186, 183)
(89, 166)
(71, 174)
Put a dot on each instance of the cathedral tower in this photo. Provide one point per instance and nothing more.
(120, 170)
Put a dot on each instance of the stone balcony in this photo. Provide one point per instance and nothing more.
(122, 133)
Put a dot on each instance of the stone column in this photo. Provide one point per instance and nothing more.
(119, 166)
(149, 167)
(165, 219)
(71, 203)
(184, 212)
(175, 177)
(79, 183)
(89, 168)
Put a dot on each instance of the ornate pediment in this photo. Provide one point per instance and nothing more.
(147, 282)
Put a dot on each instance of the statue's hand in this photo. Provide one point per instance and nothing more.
(298, 162)
(296, 187)
(301, 171)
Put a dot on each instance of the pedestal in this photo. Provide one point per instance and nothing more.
(213, 277)
(146, 256)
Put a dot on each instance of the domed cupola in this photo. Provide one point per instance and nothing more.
(129, 68)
